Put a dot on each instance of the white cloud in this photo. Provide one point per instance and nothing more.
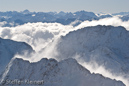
(38, 35)
(114, 21)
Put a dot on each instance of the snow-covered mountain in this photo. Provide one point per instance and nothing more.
(125, 18)
(83, 15)
(104, 15)
(91, 38)
(121, 13)
(14, 18)
(64, 73)
(9, 48)
(107, 46)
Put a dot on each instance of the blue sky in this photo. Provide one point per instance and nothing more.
(107, 6)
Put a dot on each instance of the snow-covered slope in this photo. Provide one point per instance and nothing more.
(9, 48)
(64, 73)
(107, 46)
(90, 38)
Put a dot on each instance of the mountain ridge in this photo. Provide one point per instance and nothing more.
(57, 73)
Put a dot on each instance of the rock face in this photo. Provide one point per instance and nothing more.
(64, 73)
(9, 48)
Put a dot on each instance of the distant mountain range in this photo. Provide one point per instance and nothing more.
(14, 18)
